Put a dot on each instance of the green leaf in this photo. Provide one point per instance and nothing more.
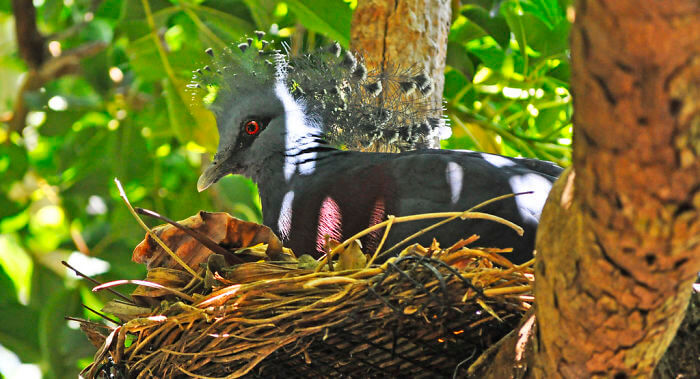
(133, 9)
(458, 59)
(548, 118)
(491, 56)
(329, 17)
(98, 30)
(551, 10)
(558, 41)
(261, 10)
(230, 26)
(13, 164)
(54, 332)
(18, 331)
(110, 9)
(59, 122)
(144, 59)
(146, 62)
(531, 31)
(44, 284)
(495, 26)
(240, 195)
(8, 292)
(564, 4)
(9, 210)
(455, 82)
(133, 19)
(527, 28)
(465, 32)
(562, 73)
(52, 12)
(190, 120)
(13, 217)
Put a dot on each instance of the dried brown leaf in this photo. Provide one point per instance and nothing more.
(220, 227)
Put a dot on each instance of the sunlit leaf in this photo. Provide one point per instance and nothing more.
(527, 28)
(190, 120)
(228, 26)
(494, 25)
(463, 32)
(490, 55)
(329, 17)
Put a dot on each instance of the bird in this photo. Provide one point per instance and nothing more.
(308, 130)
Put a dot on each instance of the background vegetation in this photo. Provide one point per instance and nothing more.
(123, 114)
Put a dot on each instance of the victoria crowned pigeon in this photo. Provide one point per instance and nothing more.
(282, 119)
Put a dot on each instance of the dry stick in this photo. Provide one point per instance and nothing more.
(424, 216)
(95, 282)
(88, 322)
(449, 215)
(162, 244)
(201, 238)
(381, 243)
(491, 292)
(440, 223)
(101, 314)
(144, 283)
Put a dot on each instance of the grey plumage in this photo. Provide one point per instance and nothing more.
(305, 107)
(337, 87)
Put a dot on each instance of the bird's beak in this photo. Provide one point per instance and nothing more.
(211, 175)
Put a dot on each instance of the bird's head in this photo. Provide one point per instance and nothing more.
(245, 89)
(250, 130)
(268, 104)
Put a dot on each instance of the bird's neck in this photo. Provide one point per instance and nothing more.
(293, 155)
(283, 174)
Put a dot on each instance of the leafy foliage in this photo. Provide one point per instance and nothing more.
(507, 84)
(126, 115)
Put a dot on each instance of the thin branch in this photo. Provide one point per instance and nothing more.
(144, 283)
(150, 232)
(440, 223)
(97, 283)
(30, 42)
(104, 316)
(451, 215)
(51, 69)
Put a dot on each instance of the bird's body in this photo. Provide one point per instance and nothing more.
(346, 191)
(273, 128)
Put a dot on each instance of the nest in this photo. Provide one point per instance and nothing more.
(428, 312)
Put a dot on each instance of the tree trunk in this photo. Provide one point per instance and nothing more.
(619, 239)
(406, 32)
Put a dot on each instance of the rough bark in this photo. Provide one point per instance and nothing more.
(619, 238)
(681, 358)
(30, 42)
(405, 32)
(619, 244)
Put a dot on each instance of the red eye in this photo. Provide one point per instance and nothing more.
(252, 127)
